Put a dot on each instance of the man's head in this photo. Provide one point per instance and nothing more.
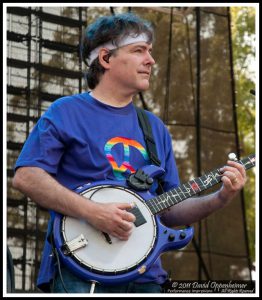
(111, 32)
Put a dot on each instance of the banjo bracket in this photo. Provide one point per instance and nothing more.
(143, 178)
(140, 180)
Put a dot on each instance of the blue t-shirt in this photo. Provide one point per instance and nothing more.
(80, 140)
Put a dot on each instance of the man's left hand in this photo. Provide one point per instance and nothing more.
(233, 178)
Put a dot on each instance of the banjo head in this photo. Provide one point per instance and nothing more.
(97, 254)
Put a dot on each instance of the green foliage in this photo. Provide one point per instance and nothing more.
(243, 33)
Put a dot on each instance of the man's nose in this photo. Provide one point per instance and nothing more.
(150, 60)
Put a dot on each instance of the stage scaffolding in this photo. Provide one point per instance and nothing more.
(192, 91)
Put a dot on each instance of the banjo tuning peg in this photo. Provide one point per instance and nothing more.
(232, 156)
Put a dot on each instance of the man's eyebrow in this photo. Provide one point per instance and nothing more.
(142, 46)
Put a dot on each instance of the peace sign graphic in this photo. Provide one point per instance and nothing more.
(126, 143)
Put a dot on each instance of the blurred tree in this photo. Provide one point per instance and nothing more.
(243, 35)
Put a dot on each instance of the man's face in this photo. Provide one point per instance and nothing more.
(131, 67)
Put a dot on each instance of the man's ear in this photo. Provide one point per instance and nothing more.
(104, 58)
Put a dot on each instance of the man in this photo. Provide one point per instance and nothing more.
(96, 136)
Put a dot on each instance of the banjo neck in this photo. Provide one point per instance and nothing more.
(191, 188)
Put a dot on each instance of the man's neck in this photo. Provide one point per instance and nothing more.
(111, 97)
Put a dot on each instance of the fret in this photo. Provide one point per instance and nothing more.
(152, 206)
(216, 175)
(156, 204)
(245, 164)
(199, 182)
(179, 188)
(184, 196)
(249, 162)
(195, 186)
(173, 198)
(186, 190)
(219, 174)
(190, 190)
(168, 198)
(208, 182)
(177, 196)
(192, 187)
(159, 204)
(202, 186)
(156, 209)
(252, 160)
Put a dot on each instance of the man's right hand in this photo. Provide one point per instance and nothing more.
(113, 219)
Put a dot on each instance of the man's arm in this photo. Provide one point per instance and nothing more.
(196, 208)
(43, 189)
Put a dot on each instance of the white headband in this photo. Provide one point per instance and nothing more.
(110, 46)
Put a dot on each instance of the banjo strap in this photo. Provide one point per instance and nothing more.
(150, 142)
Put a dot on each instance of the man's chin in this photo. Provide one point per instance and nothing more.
(143, 87)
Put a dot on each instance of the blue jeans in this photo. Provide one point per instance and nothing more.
(73, 284)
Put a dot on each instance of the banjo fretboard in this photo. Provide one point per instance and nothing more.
(192, 187)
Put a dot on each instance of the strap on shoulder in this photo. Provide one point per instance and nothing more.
(148, 135)
(150, 142)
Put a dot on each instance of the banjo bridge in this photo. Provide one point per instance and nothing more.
(75, 244)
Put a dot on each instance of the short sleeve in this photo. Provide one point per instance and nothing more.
(44, 146)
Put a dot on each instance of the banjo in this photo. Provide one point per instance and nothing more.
(95, 256)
